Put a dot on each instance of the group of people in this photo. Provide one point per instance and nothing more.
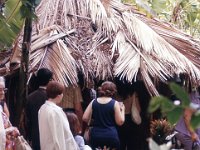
(47, 124)
(51, 127)
(110, 122)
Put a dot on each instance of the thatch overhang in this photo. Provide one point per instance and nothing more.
(105, 38)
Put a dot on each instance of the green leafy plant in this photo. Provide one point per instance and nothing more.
(171, 111)
(10, 23)
(12, 19)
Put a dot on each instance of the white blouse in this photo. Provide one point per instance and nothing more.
(54, 128)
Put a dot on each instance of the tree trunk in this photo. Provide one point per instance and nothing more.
(23, 74)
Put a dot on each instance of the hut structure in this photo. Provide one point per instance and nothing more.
(104, 39)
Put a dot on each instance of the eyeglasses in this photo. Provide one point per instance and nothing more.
(4, 89)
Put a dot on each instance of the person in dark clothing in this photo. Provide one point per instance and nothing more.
(134, 132)
(106, 114)
(34, 101)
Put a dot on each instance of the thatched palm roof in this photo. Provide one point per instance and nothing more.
(105, 38)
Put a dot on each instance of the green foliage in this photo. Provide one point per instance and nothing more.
(127, 1)
(189, 16)
(168, 109)
(174, 115)
(27, 9)
(171, 111)
(185, 14)
(10, 23)
(158, 5)
(161, 102)
(12, 19)
(195, 121)
(180, 93)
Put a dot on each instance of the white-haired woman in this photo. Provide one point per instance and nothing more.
(7, 131)
(2, 97)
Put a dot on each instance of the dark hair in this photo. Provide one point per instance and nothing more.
(44, 75)
(54, 89)
(107, 89)
(74, 123)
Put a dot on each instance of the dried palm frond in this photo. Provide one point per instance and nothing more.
(147, 80)
(82, 42)
(154, 44)
(131, 59)
(55, 55)
(102, 64)
(184, 43)
(128, 63)
(54, 12)
(105, 16)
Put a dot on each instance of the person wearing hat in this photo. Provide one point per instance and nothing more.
(34, 101)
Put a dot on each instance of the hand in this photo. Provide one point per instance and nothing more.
(194, 136)
(15, 132)
(122, 107)
(12, 131)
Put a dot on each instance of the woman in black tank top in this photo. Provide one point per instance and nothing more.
(106, 114)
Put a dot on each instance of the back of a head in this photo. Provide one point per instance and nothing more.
(54, 89)
(74, 123)
(44, 75)
(107, 89)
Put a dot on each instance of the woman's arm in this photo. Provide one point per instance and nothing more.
(88, 113)
(119, 113)
(187, 118)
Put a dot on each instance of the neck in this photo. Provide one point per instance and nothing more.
(105, 97)
(52, 100)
